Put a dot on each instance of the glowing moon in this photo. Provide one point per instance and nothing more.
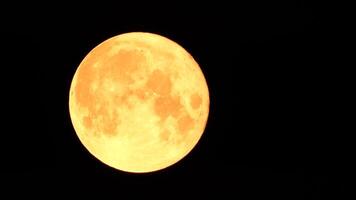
(139, 102)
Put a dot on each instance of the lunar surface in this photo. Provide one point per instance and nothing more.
(139, 102)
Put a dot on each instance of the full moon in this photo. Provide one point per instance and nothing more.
(139, 102)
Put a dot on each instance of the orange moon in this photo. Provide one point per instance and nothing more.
(139, 102)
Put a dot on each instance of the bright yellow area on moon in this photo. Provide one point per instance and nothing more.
(139, 102)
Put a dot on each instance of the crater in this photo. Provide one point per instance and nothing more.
(165, 106)
(157, 51)
(164, 135)
(87, 122)
(101, 119)
(109, 124)
(82, 88)
(141, 94)
(185, 124)
(159, 83)
(122, 65)
(122, 99)
(195, 100)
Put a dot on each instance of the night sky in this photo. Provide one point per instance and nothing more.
(274, 129)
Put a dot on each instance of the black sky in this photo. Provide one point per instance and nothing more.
(274, 129)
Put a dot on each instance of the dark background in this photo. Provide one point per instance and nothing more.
(275, 129)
